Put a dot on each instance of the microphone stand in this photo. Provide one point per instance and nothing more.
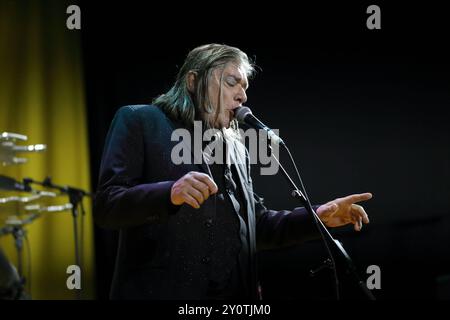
(75, 198)
(336, 250)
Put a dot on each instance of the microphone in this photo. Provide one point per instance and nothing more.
(245, 116)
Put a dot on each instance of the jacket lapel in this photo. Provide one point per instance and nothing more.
(238, 156)
(194, 147)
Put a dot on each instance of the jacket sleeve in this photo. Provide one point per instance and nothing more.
(122, 198)
(276, 229)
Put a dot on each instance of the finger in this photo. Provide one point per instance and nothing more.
(357, 224)
(359, 197)
(197, 195)
(359, 210)
(202, 187)
(191, 201)
(207, 180)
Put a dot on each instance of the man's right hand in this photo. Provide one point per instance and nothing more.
(193, 188)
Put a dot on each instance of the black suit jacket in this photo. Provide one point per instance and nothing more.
(167, 251)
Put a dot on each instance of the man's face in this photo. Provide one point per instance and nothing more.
(234, 85)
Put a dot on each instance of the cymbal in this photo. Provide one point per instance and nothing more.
(13, 223)
(54, 208)
(38, 195)
(30, 213)
(9, 150)
(13, 205)
(6, 136)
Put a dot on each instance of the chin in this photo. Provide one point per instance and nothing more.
(224, 124)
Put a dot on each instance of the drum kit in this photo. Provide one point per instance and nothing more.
(23, 206)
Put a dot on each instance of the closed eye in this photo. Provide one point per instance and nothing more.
(231, 81)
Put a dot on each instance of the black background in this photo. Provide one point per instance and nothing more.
(362, 110)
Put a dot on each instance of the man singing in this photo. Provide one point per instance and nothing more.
(188, 230)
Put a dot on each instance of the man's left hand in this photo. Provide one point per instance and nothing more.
(343, 211)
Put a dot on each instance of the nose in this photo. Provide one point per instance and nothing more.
(241, 97)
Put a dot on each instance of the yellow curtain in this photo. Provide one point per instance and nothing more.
(42, 97)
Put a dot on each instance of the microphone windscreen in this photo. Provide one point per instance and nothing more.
(241, 112)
